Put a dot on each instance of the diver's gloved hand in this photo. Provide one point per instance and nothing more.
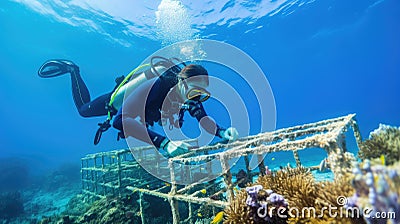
(174, 148)
(230, 134)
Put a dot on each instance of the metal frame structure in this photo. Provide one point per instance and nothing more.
(118, 172)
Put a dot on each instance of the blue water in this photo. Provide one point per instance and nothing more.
(322, 59)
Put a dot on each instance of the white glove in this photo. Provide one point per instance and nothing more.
(175, 148)
(230, 134)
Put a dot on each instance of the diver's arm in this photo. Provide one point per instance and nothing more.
(197, 110)
(228, 135)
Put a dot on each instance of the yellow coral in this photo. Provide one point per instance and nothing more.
(238, 211)
(299, 188)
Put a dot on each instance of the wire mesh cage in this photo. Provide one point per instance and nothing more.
(209, 172)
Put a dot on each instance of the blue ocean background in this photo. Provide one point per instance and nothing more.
(323, 59)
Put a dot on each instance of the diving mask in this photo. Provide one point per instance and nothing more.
(194, 92)
(198, 94)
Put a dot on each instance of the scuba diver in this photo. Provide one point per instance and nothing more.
(160, 94)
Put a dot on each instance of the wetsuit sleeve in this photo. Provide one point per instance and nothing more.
(196, 110)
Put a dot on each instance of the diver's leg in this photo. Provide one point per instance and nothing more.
(96, 107)
(80, 92)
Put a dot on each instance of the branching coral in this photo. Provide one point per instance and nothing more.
(383, 141)
(299, 189)
(242, 209)
(238, 211)
(295, 184)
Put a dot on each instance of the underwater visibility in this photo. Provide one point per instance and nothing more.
(235, 112)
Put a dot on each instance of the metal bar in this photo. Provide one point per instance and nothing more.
(227, 177)
(141, 207)
(186, 198)
(297, 158)
(119, 174)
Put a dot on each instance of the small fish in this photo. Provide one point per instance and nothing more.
(204, 191)
(382, 158)
(113, 157)
(199, 214)
(218, 218)
(148, 186)
(273, 158)
(167, 184)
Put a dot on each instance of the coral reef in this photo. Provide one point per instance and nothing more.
(238, 211)
(294, 184)
(295, 189)
(377, 192)
(383, 141)
(358, 187)
(265, 205)
(106, 210)
(110, 210)
(77, 206)
(290, 195)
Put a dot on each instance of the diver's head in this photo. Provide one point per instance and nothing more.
(193, 81)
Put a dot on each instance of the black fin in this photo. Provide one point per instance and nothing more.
(53, 68)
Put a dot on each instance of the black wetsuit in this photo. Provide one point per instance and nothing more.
(99, 106)
(80, 93)
(154, 103)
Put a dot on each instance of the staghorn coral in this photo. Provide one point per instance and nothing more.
(260, 206)
(329, 195)
(328, 192)
(383, 141)
(295, 184)
(300, 190)
(238, 211)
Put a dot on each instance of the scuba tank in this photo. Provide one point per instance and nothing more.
(131, 85)
(134, 80)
